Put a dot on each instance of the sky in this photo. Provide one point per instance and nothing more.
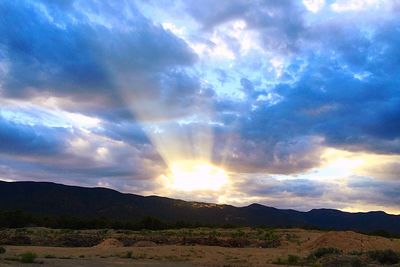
(291, 104)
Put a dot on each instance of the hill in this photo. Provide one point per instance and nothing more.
(51, 199)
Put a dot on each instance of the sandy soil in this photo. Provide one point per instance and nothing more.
(111, 252)
(349, 241)
(168, 255)
(95, 263)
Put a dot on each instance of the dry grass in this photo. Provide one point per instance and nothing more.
(179, 247)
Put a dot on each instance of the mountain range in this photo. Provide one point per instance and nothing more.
(51, 199)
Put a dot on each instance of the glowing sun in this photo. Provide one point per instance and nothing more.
(194, 175)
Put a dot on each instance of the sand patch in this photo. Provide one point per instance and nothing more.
(351, 241)
(110, 243)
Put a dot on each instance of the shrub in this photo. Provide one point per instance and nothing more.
(324, 251)
(270, 235)
(293, 259)
(239, 233)
(28, 257)
(355, 253)
(128, 255)
(387, 256)
(278, 261)
(2, 250)
(356, 262)
(269, 239)
(342, 260)
(290, 260)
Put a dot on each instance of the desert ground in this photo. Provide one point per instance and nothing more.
(192, 247)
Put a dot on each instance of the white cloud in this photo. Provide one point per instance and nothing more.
(314, 5)
(179, 31)
(356, 5)
(82, 121)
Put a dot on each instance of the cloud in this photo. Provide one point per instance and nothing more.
(77, 53)
(280, 23)
(356, 5)
(314, 5)
(354, 193)
(293, 187)
(30, 140)
(342, 92)
(76, 156)
(329, 100)
(374, 191)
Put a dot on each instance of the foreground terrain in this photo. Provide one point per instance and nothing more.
(194, 247)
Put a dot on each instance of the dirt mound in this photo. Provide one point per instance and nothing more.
(351, 241)
(110, 243)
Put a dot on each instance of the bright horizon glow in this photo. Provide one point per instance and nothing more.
(195, 175)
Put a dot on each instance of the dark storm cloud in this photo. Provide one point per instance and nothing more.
(351, 90)
(57, 50)
(34, 140)
(44, 56)
(348, 94)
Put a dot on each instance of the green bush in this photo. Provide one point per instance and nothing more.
(319, 253)
(128, 255)
(239, 233)
(27, 257)
(270, 235)
(387, 256)
(356, 262)
(279, 261)
(290, 260)
(2, 250)
(293, 259)
(355, 253)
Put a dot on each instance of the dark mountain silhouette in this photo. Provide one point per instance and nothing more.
(50, 199)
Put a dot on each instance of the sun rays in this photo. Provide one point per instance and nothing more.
(184, 138)
(195, 175)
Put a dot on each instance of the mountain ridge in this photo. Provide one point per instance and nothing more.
(53, 199)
